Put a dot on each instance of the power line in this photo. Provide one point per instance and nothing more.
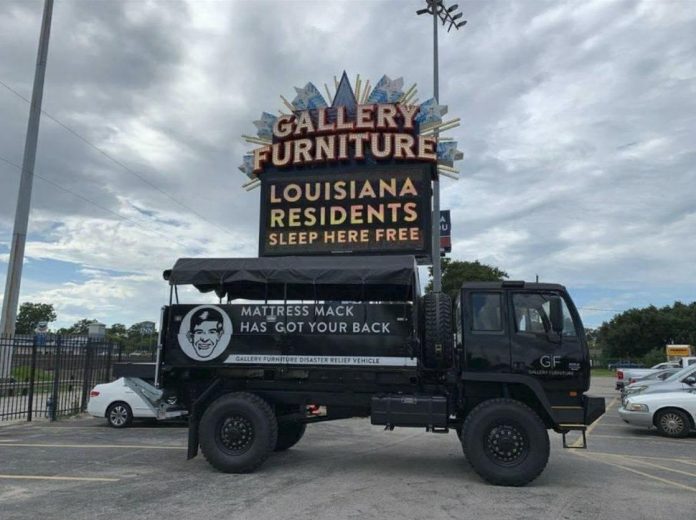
(116, 161)
(89, 201)
(601, 310)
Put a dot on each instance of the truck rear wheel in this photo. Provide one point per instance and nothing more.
(438, 348)
(238, 432)
(289, 434)
(505, 442)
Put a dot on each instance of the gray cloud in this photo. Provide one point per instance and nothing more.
(578, 124)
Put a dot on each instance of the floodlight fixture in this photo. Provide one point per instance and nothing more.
(452, 8)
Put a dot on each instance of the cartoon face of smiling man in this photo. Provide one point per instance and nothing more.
(205, 331)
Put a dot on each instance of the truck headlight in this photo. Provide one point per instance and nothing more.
(637, 407)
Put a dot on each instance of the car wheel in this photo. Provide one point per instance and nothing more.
(672, 423)
(119, 415)
(505, 442)
(238, 432)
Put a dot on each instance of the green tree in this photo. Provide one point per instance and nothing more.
(456, 272)
(32, 313)
(141, 336)
(643, 333)
(79, 327)
(117, 332)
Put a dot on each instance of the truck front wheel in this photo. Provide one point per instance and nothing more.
(505, 442)
(238, 432)
(289, 434)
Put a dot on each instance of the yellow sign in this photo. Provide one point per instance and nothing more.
(679, 350)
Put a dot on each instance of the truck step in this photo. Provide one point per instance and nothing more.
(572, 446)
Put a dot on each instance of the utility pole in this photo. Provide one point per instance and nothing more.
(19, 235)
(447, 16)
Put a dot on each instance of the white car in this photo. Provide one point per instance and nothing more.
(672, 413)
(127, 398)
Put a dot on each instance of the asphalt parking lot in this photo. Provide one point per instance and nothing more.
(82, 469)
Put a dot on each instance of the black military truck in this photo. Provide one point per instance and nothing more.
(297, 340)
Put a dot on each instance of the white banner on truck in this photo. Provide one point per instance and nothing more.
(256, 359)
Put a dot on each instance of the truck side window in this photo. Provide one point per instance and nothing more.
(486, 312)
(532, 314)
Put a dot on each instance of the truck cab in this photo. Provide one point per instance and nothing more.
(525, 335)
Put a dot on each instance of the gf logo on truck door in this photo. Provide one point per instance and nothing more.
(550, 361)
(205, 332)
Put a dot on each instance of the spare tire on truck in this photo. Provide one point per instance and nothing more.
(438, 347)
(238, 432)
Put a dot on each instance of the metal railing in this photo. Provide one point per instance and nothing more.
(51, 376)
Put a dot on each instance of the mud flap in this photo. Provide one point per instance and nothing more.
(197, 409)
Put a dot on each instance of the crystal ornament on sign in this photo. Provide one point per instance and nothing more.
(387, 90)
(308, 98)
(264, 126)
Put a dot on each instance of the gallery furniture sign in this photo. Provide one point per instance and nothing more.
(351, 177)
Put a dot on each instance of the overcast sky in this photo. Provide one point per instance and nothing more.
(578, 129)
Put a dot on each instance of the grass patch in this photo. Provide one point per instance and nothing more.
(23, 373)
(603, 372)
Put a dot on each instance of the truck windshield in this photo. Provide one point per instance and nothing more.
(532, 311)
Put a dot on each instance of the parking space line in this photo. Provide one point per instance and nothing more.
(646, 463)
(81, 446)
(688, 442)
(47, 477)
(643, 457)
(642, 473)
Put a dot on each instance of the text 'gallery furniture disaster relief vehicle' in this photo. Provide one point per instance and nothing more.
(308, 339)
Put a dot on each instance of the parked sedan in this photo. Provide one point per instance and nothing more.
(685, 379)
(672, 413)
(119, 403)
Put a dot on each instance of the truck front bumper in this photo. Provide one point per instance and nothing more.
(594, 408)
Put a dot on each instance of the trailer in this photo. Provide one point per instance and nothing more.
(292, 341)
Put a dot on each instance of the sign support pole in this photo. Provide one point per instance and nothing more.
(19, 236)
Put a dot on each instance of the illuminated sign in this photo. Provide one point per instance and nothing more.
(380, 209)
(350, 177)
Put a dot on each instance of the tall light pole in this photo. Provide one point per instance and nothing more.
(448, 16)
(19, 235)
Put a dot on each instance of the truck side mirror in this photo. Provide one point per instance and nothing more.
(690, 380)
(556, 310)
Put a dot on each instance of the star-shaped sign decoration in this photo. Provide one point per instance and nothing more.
(247, 166)
(447, 153)
(264, 126)
(387, 90)
(430, 113)
(308, 98)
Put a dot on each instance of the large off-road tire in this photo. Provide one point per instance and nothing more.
(238, 432)
(438, 347)
(672, 423)
(505, 442)
(289, 434)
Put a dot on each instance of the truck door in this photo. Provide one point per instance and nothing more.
(539, 351)
(486, 340)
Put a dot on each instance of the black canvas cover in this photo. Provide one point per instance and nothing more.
(307, 278)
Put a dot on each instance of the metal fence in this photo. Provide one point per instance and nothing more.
(51, 376)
